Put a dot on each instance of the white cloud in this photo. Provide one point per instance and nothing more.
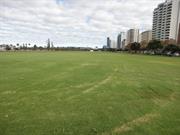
(72, 22)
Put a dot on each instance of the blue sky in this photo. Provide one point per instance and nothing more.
(72, 22)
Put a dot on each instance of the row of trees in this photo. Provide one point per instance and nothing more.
(28, 46)
(155, 47)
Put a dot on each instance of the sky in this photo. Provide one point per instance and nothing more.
(85, 23)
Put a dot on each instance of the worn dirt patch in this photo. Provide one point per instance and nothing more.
(164, 102)
(8, 92)
(98, 84)
(172, 97)
(131, 124)
(107, 79)
(88, 64)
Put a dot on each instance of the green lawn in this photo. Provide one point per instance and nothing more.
(83, 93)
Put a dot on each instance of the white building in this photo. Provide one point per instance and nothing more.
(123, 40)
(2, 47)
(166, 20)
(132, 36)
(123, 43)
(146, 36)
(114, 44)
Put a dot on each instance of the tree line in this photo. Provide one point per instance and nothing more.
(155, 47)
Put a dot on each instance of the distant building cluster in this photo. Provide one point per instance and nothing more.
(166, 27)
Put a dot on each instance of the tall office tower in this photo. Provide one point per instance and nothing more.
(146, 36)
(123, 36)
(123, 43)
(108, 42)
(132, 36)
(166, 20)
(113, 44)
(140, 37)
(119, 42)
(123, 40)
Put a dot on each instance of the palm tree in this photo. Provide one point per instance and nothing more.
(48, 44)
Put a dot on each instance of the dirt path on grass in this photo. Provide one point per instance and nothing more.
(132, 124)
(106, 80)
(98, 84)
(147, 118)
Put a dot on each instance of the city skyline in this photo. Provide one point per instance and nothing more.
(72, 23)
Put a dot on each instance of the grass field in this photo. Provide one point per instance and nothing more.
(83, 93)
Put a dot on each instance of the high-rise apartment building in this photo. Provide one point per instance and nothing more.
(113, 44)
(123, 43)
(166, 20)
(146, 36)
(132, 36)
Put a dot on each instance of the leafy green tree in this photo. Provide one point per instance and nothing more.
(171, 48)
(35, 47)
(8, 47)
(154, 45)
(48, 44)
(135, 46)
